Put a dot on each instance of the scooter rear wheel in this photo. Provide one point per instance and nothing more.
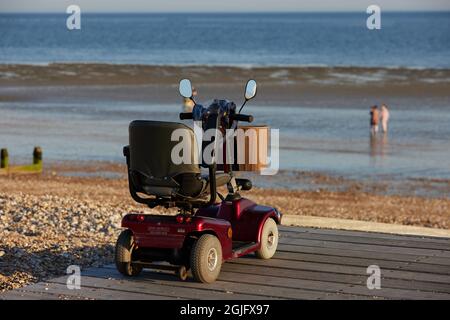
(182, 273)
(124, 249)
(206, 258)
(269, 240)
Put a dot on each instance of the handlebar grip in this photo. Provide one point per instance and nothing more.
(186, 115)
(242, 117)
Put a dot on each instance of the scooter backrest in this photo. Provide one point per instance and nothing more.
(151, 148)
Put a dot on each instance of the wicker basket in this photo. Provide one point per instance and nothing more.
(256, 153)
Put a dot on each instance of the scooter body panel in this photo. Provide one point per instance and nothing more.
(157, 231)
(246, 217)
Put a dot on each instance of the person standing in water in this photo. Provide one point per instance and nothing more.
(384, 117)
(374, 119)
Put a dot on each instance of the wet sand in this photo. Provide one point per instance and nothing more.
(279, 85)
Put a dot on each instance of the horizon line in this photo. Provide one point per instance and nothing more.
(228, 12)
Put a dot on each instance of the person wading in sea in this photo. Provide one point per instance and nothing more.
(374, 119)
(384, 117)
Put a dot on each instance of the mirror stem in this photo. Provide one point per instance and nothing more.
(243, 105)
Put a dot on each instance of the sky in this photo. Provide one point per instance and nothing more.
(220, 6)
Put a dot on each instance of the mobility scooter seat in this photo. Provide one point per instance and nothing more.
(151, 168)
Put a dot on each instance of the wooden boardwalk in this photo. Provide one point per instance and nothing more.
(310, 264)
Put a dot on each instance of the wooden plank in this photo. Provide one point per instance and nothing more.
(337, 278)
(276, 263)
(236, 277)
(168, 282)
(404, 243)
(87, 292)
(363, 262)
(337, 296)
(357, 290)
(259, 291)
(331, 276)
(363, 254)
(19, 294)
(346, 253)
(152, 283)
(365, 247)
(365, 234)
(436, 260)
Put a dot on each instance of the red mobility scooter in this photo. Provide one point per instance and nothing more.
(204, 233)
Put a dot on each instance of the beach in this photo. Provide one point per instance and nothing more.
(79, 113)
(75, 93)
(51, 220)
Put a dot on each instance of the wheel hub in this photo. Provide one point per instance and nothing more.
(270, 239)
(212, 259)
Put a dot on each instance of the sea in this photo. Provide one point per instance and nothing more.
(416, 40)
(320, 138)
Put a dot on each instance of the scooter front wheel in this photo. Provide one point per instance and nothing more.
(269, 240)
(124, 249)
(206, 258)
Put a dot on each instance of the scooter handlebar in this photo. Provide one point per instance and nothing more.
(242, 117)
(186, 115)
(238, 117)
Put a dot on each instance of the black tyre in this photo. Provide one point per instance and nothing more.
(206, 258)
(269, 240)
(124, 249)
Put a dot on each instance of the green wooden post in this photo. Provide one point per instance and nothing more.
(37, 156)
(4, 158)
